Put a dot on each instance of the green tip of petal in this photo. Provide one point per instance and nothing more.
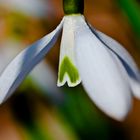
(67, 67)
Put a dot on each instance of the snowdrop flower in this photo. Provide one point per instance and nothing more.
(106, 70)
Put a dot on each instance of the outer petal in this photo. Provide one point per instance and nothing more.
(121, 53)
(104, 79)
(17, 70)
(126, 60)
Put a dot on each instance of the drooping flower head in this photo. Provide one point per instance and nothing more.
(106, 70)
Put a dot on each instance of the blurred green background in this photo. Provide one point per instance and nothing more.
(41, 111)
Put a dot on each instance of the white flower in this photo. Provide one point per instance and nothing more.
(107, 71)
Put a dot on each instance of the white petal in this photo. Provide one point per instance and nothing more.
(120, 51)
(104, 79)
(126, 60)
(67, 54)
(23, 63)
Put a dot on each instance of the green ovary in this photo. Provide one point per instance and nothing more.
(73, 6)
(66, 67)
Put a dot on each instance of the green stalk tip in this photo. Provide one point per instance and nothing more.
(73, 7)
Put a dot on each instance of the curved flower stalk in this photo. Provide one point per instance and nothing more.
(106, 70)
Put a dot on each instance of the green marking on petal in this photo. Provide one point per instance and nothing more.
(67, 67)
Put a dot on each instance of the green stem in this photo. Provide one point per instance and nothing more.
(73, 7)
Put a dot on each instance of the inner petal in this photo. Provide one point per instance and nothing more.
(68, 71)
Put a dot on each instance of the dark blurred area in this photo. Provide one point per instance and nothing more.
(41, 111)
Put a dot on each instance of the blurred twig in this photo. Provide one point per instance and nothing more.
(132, 11)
